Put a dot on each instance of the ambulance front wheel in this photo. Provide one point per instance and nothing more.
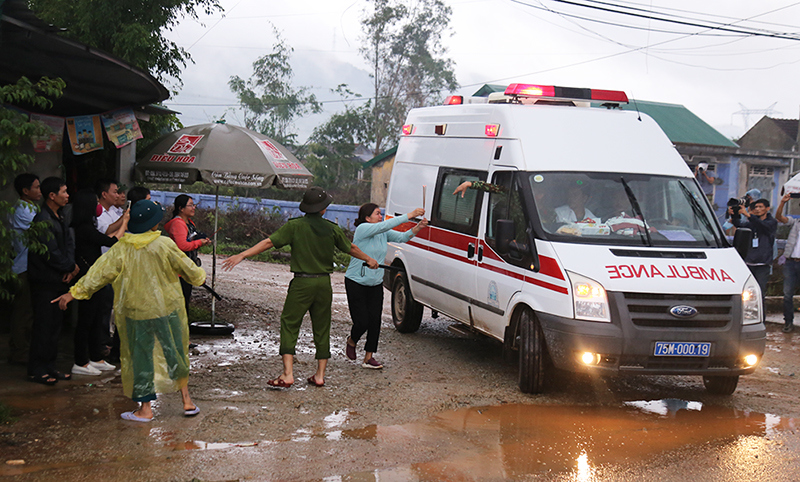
(532, 353)
(720, 385)
(406, 312)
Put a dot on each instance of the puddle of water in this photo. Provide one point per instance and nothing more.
(520, 441)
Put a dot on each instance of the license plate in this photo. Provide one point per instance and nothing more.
(672, 348)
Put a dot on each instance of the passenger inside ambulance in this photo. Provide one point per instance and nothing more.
(575, 210)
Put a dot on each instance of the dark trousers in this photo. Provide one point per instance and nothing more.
(93, 331)
(47, 321)
(366, 308)
(19, 340)
(187, 295)
(791, 278)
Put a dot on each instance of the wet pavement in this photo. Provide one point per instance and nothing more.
(445, 408)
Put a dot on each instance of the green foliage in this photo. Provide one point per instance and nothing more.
(6, 414)
(332, 147)
(130, 29)
(403, 46)
(16, 129)
(197, 313)
(269, 100)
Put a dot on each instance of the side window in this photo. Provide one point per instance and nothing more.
(454, 212)
(507, 204)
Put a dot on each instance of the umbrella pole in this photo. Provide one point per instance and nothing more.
(214, 257)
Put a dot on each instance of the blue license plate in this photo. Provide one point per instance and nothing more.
(673, 348)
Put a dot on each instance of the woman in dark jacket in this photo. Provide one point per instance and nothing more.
(92, 333)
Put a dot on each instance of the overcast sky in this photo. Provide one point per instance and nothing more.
(715, 74)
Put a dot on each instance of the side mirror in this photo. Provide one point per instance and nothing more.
(504, 235)
(742, 240)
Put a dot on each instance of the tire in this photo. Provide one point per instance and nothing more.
(406, 312)
(721, 385)
(205, 328)
(532, 353)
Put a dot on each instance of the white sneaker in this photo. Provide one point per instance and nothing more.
(102, 365)
(87, 370)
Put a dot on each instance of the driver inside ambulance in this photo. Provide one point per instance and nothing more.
(575, 211)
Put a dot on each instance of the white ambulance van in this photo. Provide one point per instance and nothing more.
(587, 245)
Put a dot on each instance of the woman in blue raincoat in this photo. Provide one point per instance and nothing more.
(144, 269)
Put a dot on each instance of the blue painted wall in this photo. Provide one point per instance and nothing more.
(341, 214)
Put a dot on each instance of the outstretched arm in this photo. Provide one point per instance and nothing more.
(356, 252)
(262, 246)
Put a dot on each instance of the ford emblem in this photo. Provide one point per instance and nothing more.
(683, 311)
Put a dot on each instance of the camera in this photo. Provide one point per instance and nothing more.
(737, 204)
(198, 235)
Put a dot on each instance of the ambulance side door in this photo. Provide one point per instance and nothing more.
(453, 243)
(499, 276)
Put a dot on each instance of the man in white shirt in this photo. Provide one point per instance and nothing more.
(791, 269)
(575, 210)
(108, 196)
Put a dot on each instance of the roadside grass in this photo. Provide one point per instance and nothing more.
(197, 313)
(6, 414)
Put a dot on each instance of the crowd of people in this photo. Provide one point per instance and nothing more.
(133, 285)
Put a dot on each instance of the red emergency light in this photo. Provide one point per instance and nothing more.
(454, 100)
(492, 130)
(408, 129)
(566, 93)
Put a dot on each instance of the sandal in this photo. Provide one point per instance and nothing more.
(278, 383)
(62, 376)
(313, 381)
(44, 379)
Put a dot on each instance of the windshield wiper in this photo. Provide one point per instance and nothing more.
(698, 213)
(637, 210)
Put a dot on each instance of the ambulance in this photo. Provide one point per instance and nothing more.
(583, 241)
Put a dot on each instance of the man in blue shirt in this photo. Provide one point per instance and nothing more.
(764, 226)
(27, 186)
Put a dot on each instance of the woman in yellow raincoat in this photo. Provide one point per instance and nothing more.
(143, 268)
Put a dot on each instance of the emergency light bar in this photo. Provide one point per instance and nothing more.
(565, 93)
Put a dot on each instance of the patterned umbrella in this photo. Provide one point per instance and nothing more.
(221, 155)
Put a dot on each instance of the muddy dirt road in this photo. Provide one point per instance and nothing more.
(446, 407)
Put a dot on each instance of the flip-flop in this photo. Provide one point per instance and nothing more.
(278, 383)
(313, 381)
(62, 376)
(133, 418)
(44, 379)
(192, 412)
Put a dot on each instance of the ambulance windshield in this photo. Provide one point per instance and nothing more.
(626, 209)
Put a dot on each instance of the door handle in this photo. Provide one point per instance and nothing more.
(470, 250)
(480, 253)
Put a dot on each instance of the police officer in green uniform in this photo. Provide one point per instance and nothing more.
(312, 239)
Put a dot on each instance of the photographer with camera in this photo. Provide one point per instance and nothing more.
(756, 216)
(791, 269)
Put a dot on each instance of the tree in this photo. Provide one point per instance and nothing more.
(133, 30)
(403, 45)
(268, 99)
(331, 151)
(16, 128)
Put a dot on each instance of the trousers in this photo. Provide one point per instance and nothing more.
(93, 331)
(47, 322)
(19, 340)
(312, 295)
(366, 308)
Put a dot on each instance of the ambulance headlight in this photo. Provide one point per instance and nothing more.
(751, 302)
(589, 299)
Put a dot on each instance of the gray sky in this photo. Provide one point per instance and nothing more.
(530, 41)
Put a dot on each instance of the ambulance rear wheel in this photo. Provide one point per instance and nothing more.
(532, 353)
(406, 312)
(721, 385)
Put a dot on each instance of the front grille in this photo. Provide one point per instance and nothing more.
(675, 363)
(652, 310)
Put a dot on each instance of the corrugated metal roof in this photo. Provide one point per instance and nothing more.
(383, 155)
(680, 124)
(789, 126)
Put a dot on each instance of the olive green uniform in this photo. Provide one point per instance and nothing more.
(312, 239)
